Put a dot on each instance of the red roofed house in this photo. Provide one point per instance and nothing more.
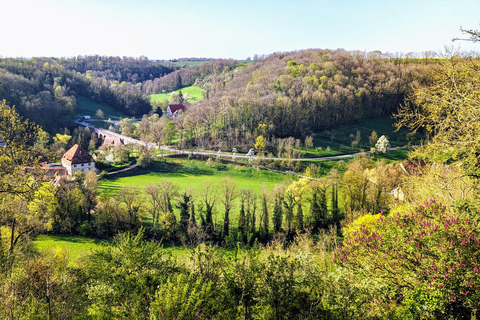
(172, 109)
(77, 159)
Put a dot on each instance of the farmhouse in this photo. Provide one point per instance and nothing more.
(172, 109)
(77, 159)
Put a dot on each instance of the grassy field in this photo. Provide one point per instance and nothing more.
(188, 63)
(89, 107)
(193, 174)
(339, 140)
(193, 91)
(77, 246)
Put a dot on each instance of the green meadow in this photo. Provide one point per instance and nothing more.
(194, 174)
(339, 139)
(76, 247)
(196, 94)
(88, 107)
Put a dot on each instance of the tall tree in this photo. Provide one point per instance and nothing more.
(229, 195)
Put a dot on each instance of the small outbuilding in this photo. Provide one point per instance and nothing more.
(77, 159)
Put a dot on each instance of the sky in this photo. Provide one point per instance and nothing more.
(172, 29)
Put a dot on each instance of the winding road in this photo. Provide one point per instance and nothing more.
(213, 154)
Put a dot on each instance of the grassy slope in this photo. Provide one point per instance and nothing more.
(89, 107)
(339, 139)
(193, 91)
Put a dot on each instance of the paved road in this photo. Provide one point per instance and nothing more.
(215, 154)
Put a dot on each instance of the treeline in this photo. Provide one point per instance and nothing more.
(202, 75)
(126, 69)
(297, 93)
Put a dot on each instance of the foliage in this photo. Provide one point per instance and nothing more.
(446, 109)
(124, 276)
(427, 258)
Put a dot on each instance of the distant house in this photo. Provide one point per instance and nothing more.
(77, 159)
(172, 109)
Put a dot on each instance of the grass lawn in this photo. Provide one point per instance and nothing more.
(76, 246)
(193, 91)
(194, 173)
(89, 107)
(339, 139)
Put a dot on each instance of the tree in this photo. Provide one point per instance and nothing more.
(373, 138)
(260, 143)
(19, 136)
(308, 142)
(446, 110)
(209, 197)
(277, 213)
(229, 195)
(473, 33)
(382, 144)
(100, 114)
(184, 206)
(130, 197)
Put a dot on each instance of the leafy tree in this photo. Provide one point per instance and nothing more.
(124, 276)
(260, 143)
(100, 114)
(373, 138)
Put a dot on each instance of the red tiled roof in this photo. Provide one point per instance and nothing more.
(175, 107)
(76, 155)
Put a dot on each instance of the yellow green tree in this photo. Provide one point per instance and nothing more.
(447, 110)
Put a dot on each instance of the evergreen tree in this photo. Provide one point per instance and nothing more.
(277, 214)
(265, 218)
(242, 223)
(299, 218)
(193, 221)
(184, 206)
(315, 211)
(323, 206)
(335, 210)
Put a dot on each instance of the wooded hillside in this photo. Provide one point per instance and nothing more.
(296, 93)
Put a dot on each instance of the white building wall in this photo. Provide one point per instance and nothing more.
(84, 167)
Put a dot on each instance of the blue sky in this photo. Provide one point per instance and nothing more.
(230, 29)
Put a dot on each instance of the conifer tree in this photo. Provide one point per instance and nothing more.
(277, 214)
(299, 218)
(184, 206)
(315, 211)
(242, 223)
(265, 218)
